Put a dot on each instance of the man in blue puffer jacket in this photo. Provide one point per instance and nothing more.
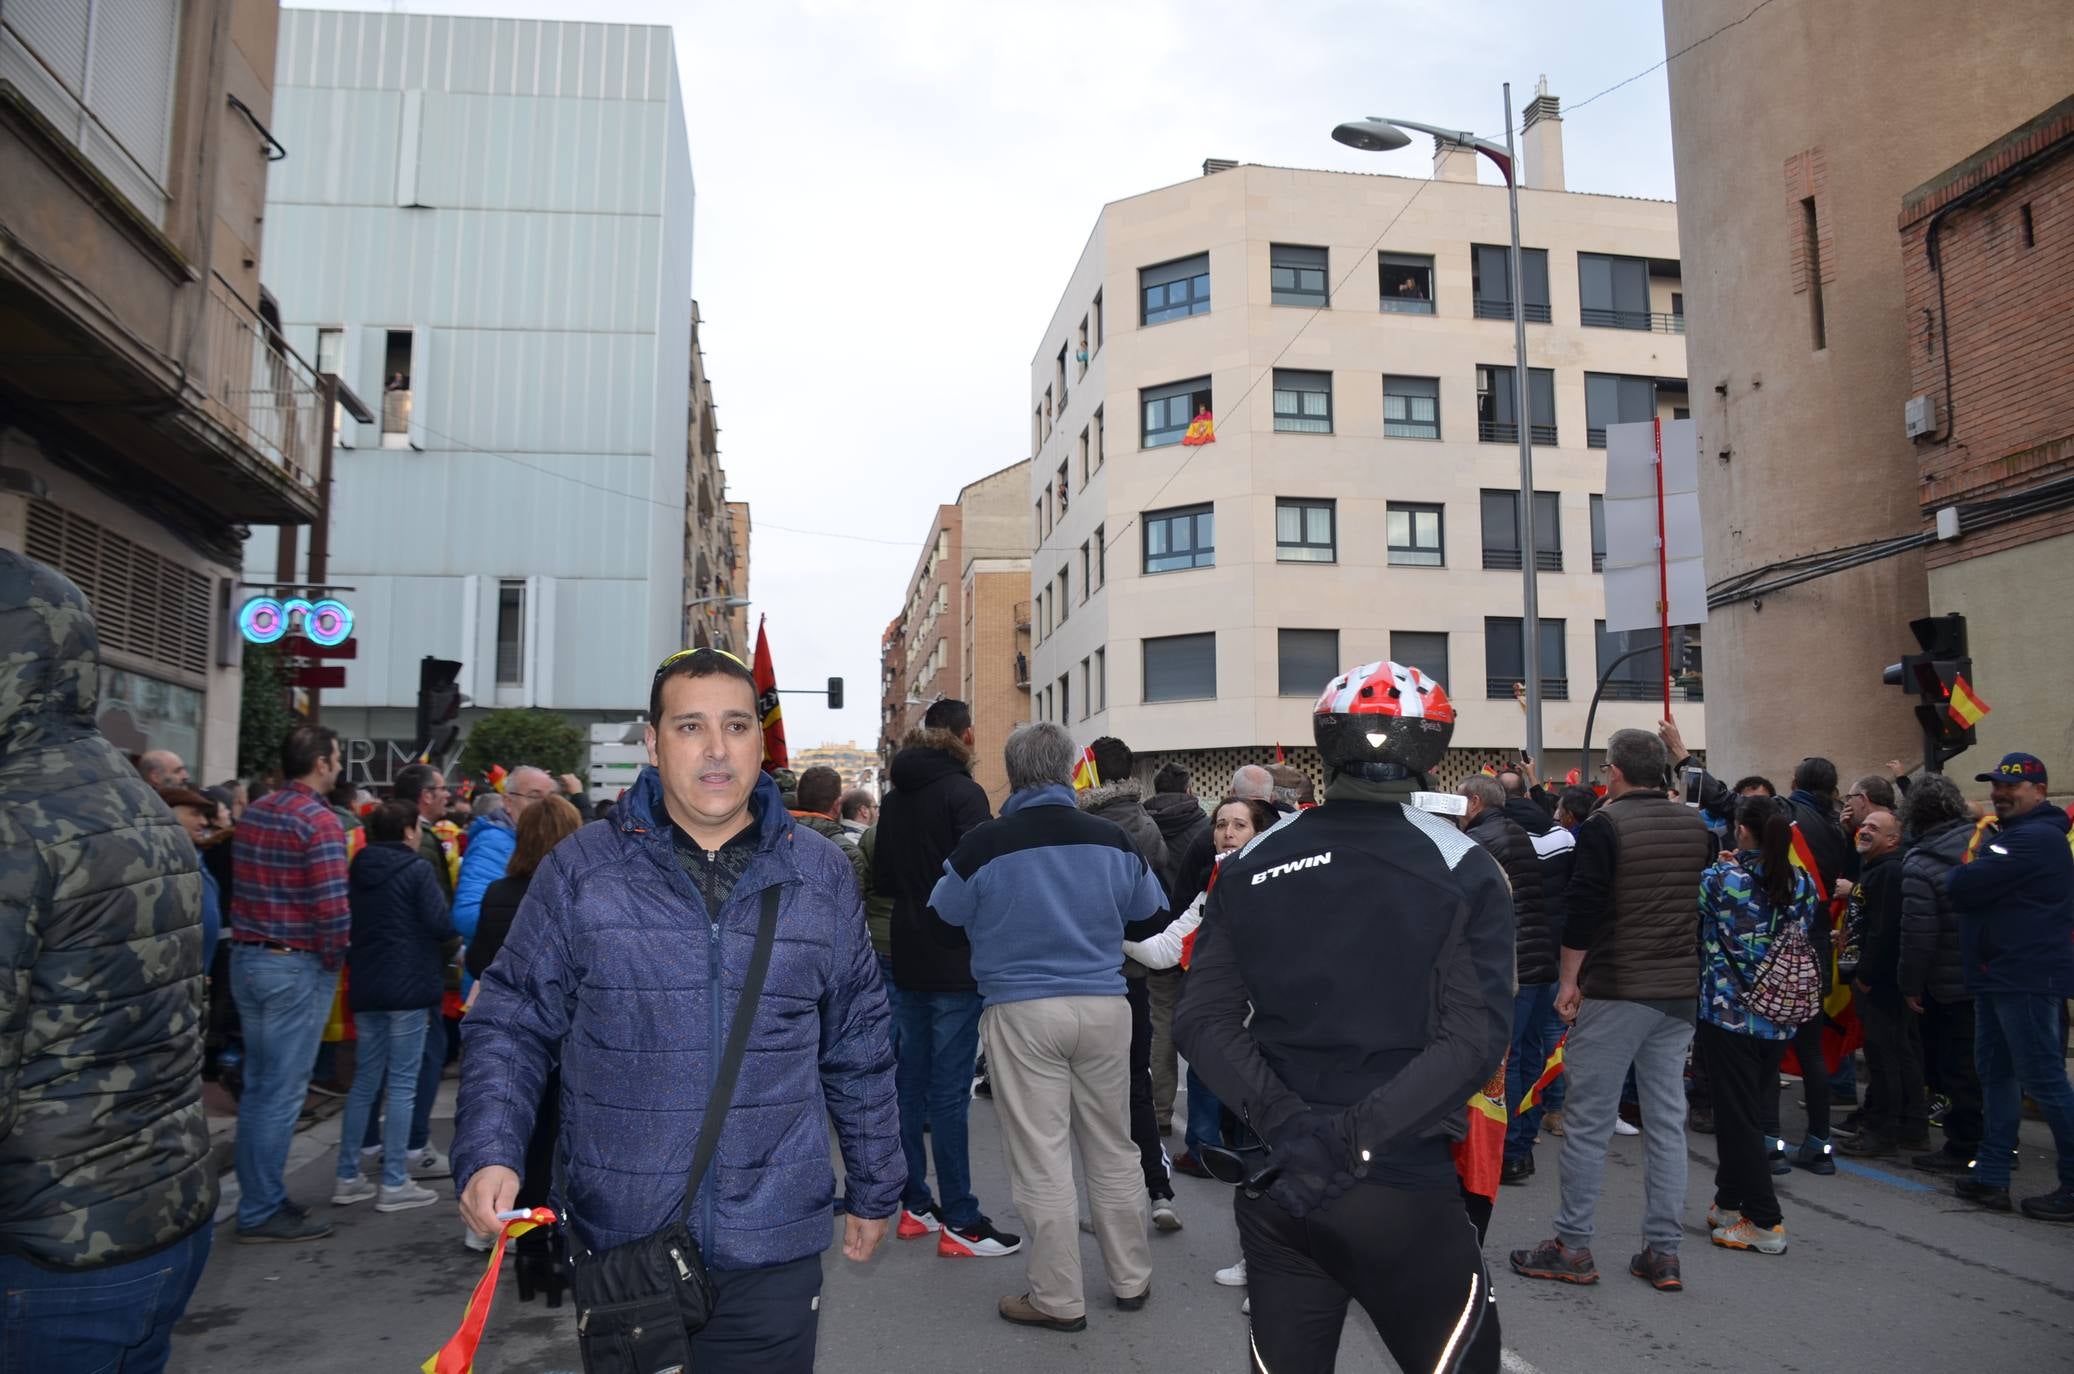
(2015, 899)
(625, 964)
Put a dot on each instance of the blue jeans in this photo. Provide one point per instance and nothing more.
(892, 1002)
(1205, 1115)
(938, 1038)
(2016, 1046)
(386, 1038)
(430, 1065)
(116, 1320)
(283, 1001)
(1530, 1048)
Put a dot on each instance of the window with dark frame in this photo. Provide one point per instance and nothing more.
(1304, 531)
(1641, 677)
(1303, 402)
(1174, 290)
(1305, 661)
(1086, 567)
(1101, 556)
(1179, 538)
(1496, 404)
(511, 632)
(1296, 275)
(1406, 283)
(1411, 407)
(1181, 667)
(1611, 399)
(1101, 441)
(1501, 535)
(1065, 597)
(1083, 459)
(1490, 276)
(1095, 313)
(1425, 650)
(1598, 504)
(1101, 680)
(1613, 292)
(1417, 535)
(1167, 411)
(1505, 662)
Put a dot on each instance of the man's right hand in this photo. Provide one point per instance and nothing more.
(1567, 1001)
(493, 1189)
(1674, 742)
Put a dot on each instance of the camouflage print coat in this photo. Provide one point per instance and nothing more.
(104, 1151)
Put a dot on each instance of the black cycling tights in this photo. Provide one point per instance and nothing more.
(1410, 1259)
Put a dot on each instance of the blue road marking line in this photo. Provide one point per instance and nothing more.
(1851, 1166)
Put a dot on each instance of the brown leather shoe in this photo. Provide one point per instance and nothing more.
(1023, 1312)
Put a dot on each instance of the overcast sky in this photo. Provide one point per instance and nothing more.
(892, 192)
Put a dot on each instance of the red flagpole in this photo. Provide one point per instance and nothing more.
(1663, 568)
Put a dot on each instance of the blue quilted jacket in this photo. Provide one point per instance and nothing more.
(615, 969)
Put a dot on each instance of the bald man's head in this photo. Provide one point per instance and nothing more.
(162, 768)
(1253, 782)
(525, 786)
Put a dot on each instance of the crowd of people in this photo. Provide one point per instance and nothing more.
(668, 1023)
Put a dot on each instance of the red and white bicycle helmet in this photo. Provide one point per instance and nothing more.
(1383, 721)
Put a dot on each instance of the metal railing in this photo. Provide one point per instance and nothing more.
(1649, 321)
(1502, 310)
(1619, 690)
(1406, 305)
(1506, 432)
(1508, 560)
(1552, 688)
(259, 387)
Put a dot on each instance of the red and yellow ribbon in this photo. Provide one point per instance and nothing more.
(457, 1356)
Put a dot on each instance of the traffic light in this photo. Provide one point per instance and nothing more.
(1931, 675)
(439, 706)
(835, 694)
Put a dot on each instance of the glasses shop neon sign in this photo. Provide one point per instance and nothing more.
(265, 619)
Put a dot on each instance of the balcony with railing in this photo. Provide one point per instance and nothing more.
(260, 389)
(1022, 670)
(1508, 560)
(1502, 310)
(1552, 688)
(1507, 432)
(1646, 321)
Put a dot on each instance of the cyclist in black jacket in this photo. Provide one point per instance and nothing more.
(1373, 943)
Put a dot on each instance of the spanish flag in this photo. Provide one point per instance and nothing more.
(1201, 430)
(1532, 1096)
(1967, 708)
(1842, 1033)
(775, 755)
(457, 1356)
(495, 777)
(1084, 774)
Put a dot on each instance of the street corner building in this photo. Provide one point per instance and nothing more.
(486, 229)
(151, 408)
(1274, 433)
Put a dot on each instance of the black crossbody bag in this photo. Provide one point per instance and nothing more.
(639, 1304)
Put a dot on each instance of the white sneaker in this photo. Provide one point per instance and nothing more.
(1234, 1277)
(430, 1163)
(1621, 1127)
(347, 1191)
(1164, 1217)
(482, 1245)
(370, 1152)
(404, 1197)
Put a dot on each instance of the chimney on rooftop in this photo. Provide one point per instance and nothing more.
(1453, 161)
(1541, 140)
(1213, 165)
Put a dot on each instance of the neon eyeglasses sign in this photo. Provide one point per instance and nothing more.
(265, 619)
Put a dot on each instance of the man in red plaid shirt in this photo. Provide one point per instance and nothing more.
(289, 929)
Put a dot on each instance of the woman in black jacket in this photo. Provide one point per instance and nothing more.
(395, 974)
(544, 825)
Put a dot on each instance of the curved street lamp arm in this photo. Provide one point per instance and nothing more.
(1494, 151)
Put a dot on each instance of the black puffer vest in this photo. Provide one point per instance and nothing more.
(1534, 939)
(1648, 947)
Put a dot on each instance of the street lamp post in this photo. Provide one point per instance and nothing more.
(1376, 134)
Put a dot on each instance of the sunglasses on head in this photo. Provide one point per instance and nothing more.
(682, 654)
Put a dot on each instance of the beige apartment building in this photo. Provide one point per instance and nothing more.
(714, 572)
(1352, 337)
(150, 409)
(955, 635)
(1795, 152)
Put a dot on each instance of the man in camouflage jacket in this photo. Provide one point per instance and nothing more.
(105, 1177)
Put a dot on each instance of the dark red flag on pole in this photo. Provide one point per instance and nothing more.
(773, 716)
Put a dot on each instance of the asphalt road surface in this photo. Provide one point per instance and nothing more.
(1883, 1267)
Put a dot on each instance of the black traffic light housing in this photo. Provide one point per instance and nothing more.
(439, 706)
(835, 694)
(1931, 675)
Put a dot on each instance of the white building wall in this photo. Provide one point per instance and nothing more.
(518, 196)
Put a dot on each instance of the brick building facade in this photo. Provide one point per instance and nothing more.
(1988, 252)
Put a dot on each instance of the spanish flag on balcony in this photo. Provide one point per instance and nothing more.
(1967, 708)
(1084, 774)
(457, 1356)
(1201, 430)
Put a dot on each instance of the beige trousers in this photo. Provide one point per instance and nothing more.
(1061, 1071)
